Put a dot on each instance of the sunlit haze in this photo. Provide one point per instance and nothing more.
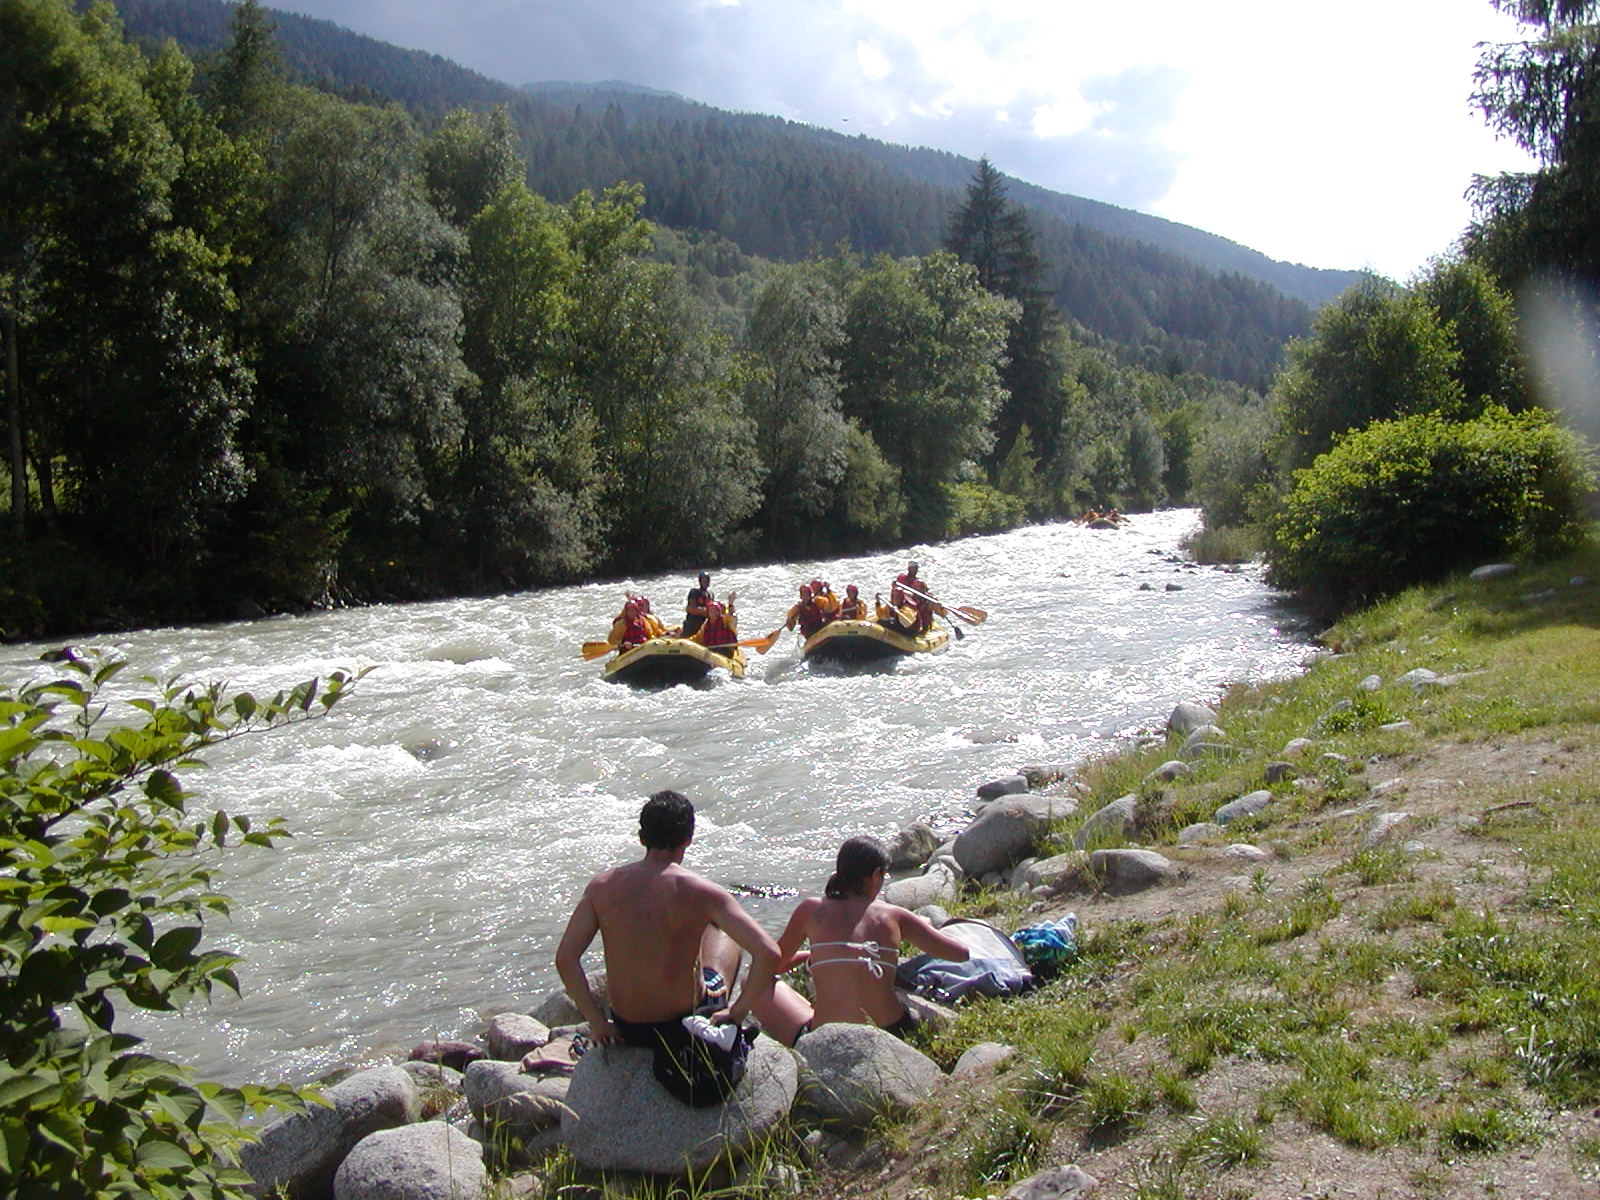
(1338, 136)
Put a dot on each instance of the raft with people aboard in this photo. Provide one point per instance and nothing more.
(666, 660)
(869, 641)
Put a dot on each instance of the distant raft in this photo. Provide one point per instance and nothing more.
(868, 641)
(666, 660)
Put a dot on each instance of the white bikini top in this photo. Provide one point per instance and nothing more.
(867, 954)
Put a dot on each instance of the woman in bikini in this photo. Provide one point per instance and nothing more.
(855, 946)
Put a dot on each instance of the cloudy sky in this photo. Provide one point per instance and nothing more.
(1338, 135)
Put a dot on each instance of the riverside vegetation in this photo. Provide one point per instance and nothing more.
(1393, 990)
(1415, 1017)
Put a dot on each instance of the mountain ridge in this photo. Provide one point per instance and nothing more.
(1172, 297)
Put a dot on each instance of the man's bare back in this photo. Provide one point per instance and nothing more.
(653, 917)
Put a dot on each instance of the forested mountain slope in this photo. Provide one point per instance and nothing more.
(1170, 296)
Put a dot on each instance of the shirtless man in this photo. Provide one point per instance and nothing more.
(855, 946)
(671, 939)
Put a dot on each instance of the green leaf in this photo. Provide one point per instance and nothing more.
(176, 945)
(13, 1147)
(164, 1156)
(164, 789)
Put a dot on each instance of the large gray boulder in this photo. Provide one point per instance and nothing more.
(936, 885)
(1125, 871)
(1187, 717)
(1247, 805)
(557, 1007)
(1503, 570)
(1057, 871)
(1168, 771)
(621, 1119)
(854, 1075)
(511, 1105)
(1113, 823)
(1007, 832)
(1010, 785)
(1058, 1183)
(512, 1034)
(299, 1154)
(912, 846)
(429, 1161)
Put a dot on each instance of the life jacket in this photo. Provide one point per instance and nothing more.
(811, 618)
(852, 610)
(718, 632)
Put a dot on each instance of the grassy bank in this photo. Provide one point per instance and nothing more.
(1413, 1014)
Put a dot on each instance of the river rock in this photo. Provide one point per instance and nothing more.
(1493, 571)
(1420, 678)
(1245, 852)
(1044, 775)
(1204, 733)
(438, 1087)
(428, 1161)
(912, 846)
(1011, 785)
(1113, 823)
(936, 885)
(1383, 827)
(621, 1119)
(1295, 747)
(455, 1055)
(981, 1057)
(1245, 806)
(1198, 750)
(557, 1007)
(300, 1153)
(1198, 833)
(1058, 1183)
(1125, 871)
(934, 914)
(1187, 717)
(508, 1103)
(1170, 770)
(1058, 871)
(1277, 772)
(1007, 831)
(857, 1074)
(1370, 684)
(511, 1035)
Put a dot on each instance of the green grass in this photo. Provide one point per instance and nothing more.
(1223, 1143)
(1375, 1002)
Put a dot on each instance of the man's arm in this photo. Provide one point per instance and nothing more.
(581, 928)
(728, 916)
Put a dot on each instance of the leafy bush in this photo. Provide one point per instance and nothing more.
(1406, 501)
(105, 887)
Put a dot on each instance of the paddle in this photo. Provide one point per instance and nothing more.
(972, 616)
(593, 650)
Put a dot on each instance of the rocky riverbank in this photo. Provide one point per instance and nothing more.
(1330, 935)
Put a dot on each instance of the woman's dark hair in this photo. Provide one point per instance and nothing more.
(858, 858)
(666, 821)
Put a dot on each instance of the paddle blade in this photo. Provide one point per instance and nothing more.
(976, 615)
(762, 645)
(593, 650)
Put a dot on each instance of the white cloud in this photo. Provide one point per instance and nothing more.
(1337, 136)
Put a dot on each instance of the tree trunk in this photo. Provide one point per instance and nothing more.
(17, 456)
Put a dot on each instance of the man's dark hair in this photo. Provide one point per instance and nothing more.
(666, 821)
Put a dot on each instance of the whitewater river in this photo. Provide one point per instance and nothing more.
(447, 813)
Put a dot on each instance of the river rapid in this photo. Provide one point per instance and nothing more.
(447, 814)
